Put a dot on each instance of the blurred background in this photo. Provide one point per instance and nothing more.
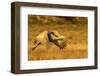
(75, 29)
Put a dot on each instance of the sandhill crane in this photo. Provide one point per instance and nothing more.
(47, 37)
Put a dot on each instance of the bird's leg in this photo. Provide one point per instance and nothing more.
(36, 43)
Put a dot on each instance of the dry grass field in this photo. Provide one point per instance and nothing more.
(73, 28)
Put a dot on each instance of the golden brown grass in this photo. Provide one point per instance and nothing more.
(76, 40)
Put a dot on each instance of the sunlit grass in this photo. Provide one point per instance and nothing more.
(74, 31)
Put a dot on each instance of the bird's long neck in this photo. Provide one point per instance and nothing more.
(49, 36)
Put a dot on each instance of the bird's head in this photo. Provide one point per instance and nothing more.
(57, 39)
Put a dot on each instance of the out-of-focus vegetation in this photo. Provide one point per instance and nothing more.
(55, 20)
(75, 30)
